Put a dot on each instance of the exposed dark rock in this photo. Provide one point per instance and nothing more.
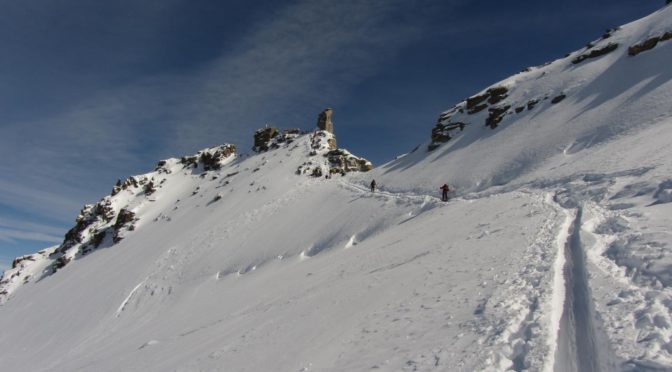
(98, 238)
(129, 182)
(124, 221)
(317, 172)
(324, 120)
(125, 216)
(162, 167)
(441, 133)
(149, 188)
(189, 161)
(61, 262)
(341, 160)
(443, 117)
(18, 260)
(270, 138)
(607, 34)
(100, 212)
(262, 137)
(496, 116)
(531, 103)
(649, 44)
(595, 53)
(317, 143)
(497, 94)
(644, 46)
(105, 210)
(474, 101)
(212, 158)
(519, 109)
(558, 98)
(477, 108)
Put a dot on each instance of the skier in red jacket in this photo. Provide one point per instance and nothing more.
(444, 189)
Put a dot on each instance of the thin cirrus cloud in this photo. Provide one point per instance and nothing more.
(286, 67)
(307, 57)
(9, 235)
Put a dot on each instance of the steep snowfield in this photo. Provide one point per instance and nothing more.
(607, 97)
(553, 254)
(286, 272)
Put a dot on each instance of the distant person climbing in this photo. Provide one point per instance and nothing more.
(444, 194)
(373, 185)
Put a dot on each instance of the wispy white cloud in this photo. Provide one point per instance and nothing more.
(306, 55)
(10, 236)
(30, 226)
(310, 55)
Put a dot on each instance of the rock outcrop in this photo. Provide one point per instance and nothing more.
(649, 44)
(114, 217)
(213, 158)
(124, 223)
(263, 137)
(594, 53)
(328, 158)
(270, 138)
(324, 120)
(342, 161)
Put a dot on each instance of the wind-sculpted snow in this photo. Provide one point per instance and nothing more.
(552, 254)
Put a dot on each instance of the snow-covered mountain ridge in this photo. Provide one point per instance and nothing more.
(105, 223)
(553, 254)
(569, 106)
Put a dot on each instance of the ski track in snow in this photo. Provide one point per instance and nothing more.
(123, 305)
(533, 305)
(585, 282)
(578, 341)
(575, 338)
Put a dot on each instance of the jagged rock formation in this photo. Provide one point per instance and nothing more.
(324, 120)
(262, 138)
(208, 159)
(595, 53)
(649, 44)
(494, 104)
(342, 161)
(107, 222)
(329, 160)
(270, 138)
(212, 158)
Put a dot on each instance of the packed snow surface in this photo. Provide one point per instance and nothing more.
(553, 254)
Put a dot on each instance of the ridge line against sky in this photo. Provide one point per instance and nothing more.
(96, 92)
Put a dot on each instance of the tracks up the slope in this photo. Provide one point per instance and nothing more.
(580, 346)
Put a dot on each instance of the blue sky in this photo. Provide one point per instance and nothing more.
(95, 91)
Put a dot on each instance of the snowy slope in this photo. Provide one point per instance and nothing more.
(606, 97)
(554, 253)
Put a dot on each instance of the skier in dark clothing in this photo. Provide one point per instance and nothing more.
(444, 189)
(373, 185)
